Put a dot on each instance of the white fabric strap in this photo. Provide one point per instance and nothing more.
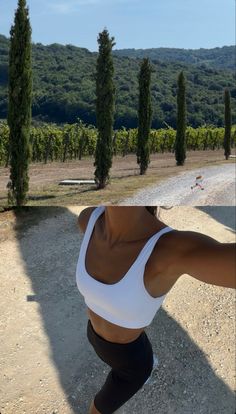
(90, 226)
(149, 246)
(147, 249)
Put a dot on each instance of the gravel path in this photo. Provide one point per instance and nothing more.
(219, 189)
(47, 365)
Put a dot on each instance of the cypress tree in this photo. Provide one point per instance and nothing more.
(228, 121)
(19, 104)
(144, 116)
(180, 142)
(105, 106)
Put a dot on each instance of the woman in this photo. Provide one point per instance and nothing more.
(128, 262)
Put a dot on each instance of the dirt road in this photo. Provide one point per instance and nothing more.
(47, 365)
(126, 181)
(219, 183)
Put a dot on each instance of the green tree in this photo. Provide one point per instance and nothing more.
(105, 107)
(19, 105)
(228, 122)
(180, 142)
(144, 116)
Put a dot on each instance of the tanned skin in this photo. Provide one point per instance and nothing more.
(121, 232)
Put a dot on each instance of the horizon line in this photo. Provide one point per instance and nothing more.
(126, 48)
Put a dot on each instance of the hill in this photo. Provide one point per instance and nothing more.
(64, 84)
(216, 58)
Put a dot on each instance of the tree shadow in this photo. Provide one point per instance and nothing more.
(129, 169)
(123, 177)
(45, 197)
(49, 244)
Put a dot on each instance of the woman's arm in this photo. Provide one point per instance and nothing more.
(206, 259)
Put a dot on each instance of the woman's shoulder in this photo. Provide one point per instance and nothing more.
(176, 247)
(84, 217)
(177, 242)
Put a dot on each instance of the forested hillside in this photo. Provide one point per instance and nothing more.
(64, 84)
(217, 58)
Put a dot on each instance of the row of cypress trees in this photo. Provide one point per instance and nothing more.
(20, 103)
(105, 107)
(105, 111)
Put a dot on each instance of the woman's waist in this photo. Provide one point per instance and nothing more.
(111, 332)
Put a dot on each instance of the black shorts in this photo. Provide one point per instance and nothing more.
(131, 365)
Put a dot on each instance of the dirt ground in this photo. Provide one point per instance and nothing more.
(47, 365)
(44, 188)
(218, 183)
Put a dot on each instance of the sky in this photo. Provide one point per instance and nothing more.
(139, 24)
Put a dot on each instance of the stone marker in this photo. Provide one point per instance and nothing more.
(76, 182)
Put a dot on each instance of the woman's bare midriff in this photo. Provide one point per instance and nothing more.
(112, 332)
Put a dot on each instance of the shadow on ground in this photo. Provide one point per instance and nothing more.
(228, 219)
(49, 244)
(46, 197)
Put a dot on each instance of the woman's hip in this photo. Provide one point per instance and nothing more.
(136, 355)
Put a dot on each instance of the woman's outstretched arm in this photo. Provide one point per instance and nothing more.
(206, 259)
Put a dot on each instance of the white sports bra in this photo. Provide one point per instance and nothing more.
(127, 302)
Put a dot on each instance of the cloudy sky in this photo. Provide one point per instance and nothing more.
(188, 24)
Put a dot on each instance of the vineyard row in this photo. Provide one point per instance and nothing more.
(73, 141)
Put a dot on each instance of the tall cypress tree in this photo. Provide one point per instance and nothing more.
(228, 122)
(144, 116)
(105, 106)
(19, 105)
(180, 142)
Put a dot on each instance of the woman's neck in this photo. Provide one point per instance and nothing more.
(127, 224)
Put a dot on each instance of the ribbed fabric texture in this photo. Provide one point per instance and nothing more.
(127, 302)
